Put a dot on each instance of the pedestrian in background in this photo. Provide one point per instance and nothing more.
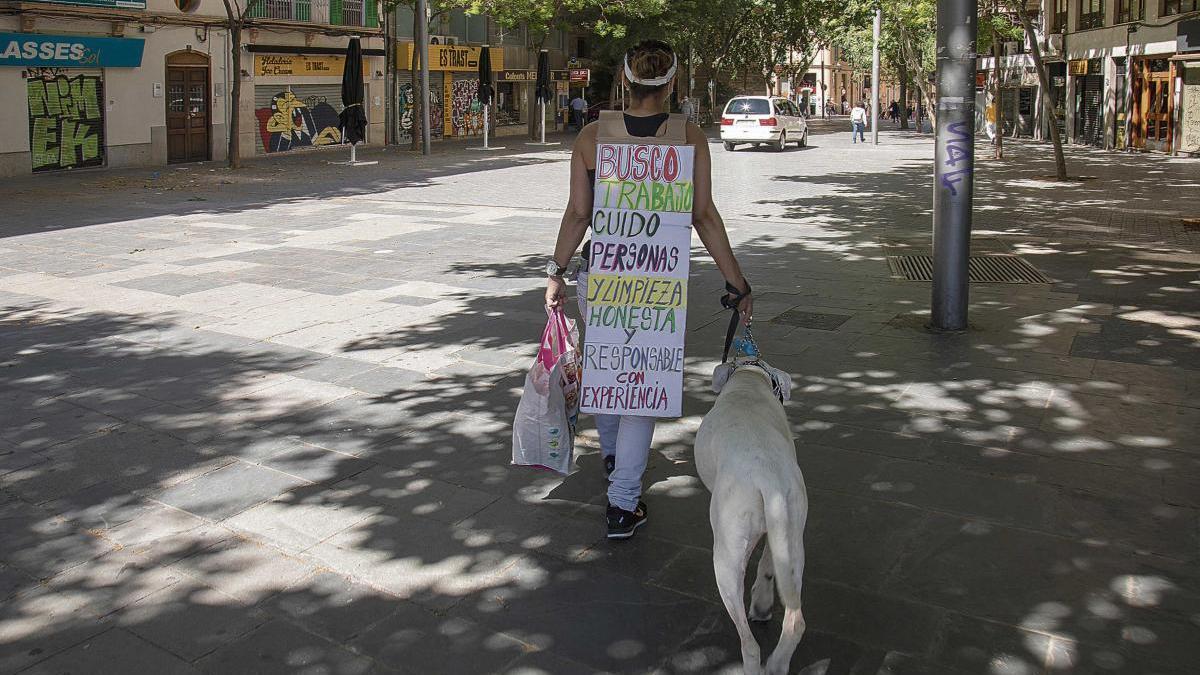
(579, 108)
(688, 109)
(858, 123)
(649, 75)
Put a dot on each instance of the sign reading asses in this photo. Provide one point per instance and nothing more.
(637, 280)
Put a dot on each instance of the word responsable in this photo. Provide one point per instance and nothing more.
(636, 293)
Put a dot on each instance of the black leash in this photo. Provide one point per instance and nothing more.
(732, 298)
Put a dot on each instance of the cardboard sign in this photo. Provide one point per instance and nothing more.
(636, 290)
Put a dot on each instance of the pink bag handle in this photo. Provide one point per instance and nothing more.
(555, 338)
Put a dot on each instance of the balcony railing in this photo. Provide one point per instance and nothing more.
(287, 10)
(333, 12)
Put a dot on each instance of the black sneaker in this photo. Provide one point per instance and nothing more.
(622, 524)
(610, 463)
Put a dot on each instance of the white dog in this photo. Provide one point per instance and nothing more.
(747, 459)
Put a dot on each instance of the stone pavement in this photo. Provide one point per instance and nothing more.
(259, 422)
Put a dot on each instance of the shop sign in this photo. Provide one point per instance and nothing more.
(69, 51)
(1077, 67)
(449, 57)
(298, 65)
(531, 76)
(581, 76)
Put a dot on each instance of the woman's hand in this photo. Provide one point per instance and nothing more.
(556, 292)
(746, 308)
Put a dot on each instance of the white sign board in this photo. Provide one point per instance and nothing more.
(637, 280)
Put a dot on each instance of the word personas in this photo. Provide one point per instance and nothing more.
(636, 292)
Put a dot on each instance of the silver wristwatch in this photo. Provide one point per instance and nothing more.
(553, 270)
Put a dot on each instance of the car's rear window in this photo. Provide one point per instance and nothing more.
(748, 106)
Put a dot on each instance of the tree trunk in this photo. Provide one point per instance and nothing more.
(235, 96)
(903, 72)
(1060, 162)
(997, 108)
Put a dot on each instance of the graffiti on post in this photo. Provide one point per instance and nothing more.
(290, 123)
(66, 119)
(466, 113)
(957, 152)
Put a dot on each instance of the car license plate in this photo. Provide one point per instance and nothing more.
(743, 122)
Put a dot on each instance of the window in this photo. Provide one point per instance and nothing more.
(1091, 14)
(404, 21)
(291, 10)
(748, 106)
(512, 36)
(477, 27)
(1130, 10)
(187, 6)
(353, 12)
(458, 24)
(1058, 16)
(1180, 6)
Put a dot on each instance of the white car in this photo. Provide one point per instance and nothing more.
(763, 120)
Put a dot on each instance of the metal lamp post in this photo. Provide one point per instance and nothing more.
(954, 159)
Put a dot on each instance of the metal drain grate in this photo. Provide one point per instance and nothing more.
(813, 320)
(982, 269)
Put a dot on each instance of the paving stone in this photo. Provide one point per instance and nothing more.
(397, 491)
(333, 606)
(173, 284)
(228, 490)
(113, 651)
(415, 640)
(384, 381)
(190, 620)
(279, 647)
(244, 569)
(300, 519)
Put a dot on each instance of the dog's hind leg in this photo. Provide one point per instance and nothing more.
(789, 578)
(733, 542)
(762, 594)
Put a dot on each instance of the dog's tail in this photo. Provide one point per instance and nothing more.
(785, 531)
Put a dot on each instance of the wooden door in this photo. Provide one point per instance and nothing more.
(1156, 101)
(187, 113)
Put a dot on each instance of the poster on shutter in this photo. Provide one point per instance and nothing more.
(1189, 123)
(636, 292)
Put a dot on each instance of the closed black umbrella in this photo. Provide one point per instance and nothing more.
(353, 119)
(543, 91)
(486, 90)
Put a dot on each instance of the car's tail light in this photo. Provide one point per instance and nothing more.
(726, 121)
(767, 122)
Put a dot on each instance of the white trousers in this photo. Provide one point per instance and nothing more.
(627, 438)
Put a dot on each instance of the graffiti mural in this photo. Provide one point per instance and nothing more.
(66, 119)
(405, 98)
(290, 123)
(466, 113)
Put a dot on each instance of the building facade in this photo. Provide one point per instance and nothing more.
(1123, 74)
(456, 40)
(125, 83)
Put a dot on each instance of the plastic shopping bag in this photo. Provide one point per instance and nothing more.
(544, 429)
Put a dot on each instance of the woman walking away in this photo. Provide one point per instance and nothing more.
(649, 75)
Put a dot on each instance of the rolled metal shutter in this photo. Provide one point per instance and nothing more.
(1089, 108)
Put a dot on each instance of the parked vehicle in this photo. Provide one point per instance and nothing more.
(763, 120)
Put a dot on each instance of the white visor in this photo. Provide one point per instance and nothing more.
(655, 81)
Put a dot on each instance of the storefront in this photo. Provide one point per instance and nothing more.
(63, 77)
(297, 100)
(454, 107)
(1089, 101)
